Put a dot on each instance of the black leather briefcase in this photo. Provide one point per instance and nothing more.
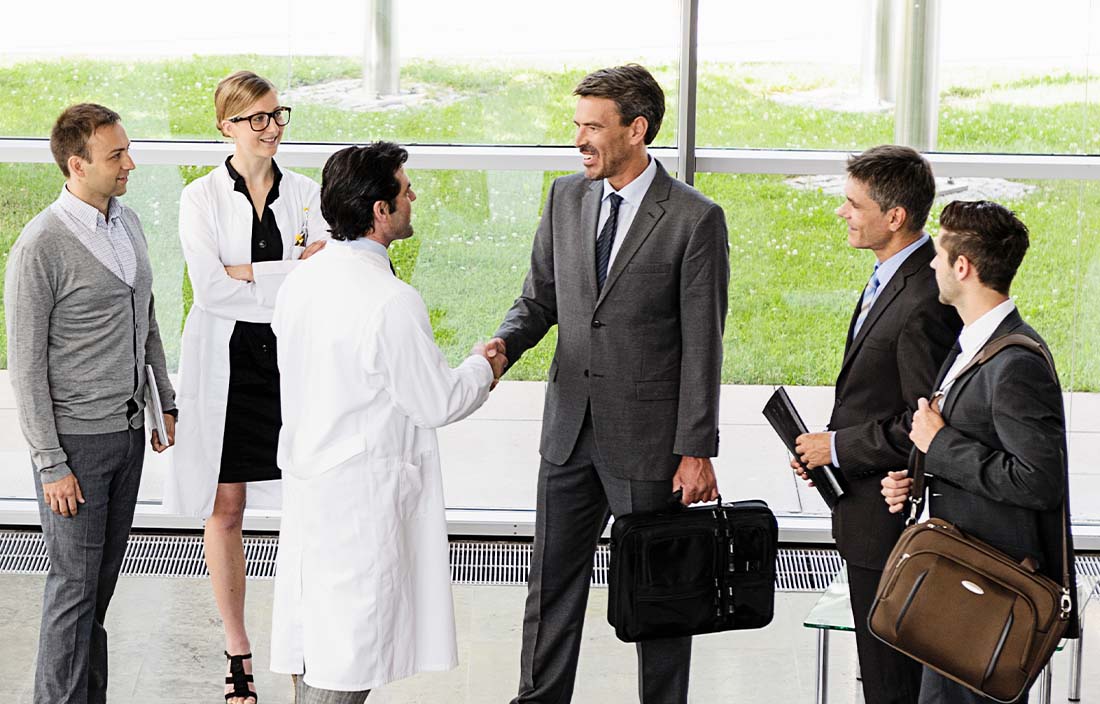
(682, 572)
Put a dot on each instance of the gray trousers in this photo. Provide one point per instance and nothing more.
(304, 694)
(574, 503)
(86, 552)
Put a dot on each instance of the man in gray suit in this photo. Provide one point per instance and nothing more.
(633, 268)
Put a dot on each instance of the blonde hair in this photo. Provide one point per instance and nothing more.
(236, 92)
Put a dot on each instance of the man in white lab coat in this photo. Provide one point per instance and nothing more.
(362, 590)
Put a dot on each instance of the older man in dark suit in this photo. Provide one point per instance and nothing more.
(633, 268)
(898, 336)
(995, 434)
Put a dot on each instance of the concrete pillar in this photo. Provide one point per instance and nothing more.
(917, 118)
(381, 61)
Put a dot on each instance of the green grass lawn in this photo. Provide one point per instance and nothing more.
(794, 279)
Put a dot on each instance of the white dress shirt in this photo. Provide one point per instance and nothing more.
(972, 338)
(105, 237)
(632, 194)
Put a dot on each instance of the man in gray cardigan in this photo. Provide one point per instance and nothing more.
(81, 330)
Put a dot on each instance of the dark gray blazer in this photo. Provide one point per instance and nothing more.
(998, 468)
(647, 353)
(890, 364)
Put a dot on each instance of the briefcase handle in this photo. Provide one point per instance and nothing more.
(677, 499)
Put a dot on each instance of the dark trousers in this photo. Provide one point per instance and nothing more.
(86, 552)
(574, 503)
(888, 676)
(937, 689)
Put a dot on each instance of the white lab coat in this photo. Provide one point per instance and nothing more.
(362, 586)
(215, 226)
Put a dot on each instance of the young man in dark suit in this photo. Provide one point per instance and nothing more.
(632, 266)
(898, 336)
(994, 435)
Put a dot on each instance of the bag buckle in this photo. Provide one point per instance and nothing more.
(1066, 603)
(914, 509)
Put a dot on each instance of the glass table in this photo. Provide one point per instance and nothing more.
(833, 612)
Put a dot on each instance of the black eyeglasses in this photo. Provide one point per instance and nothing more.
(260, 120)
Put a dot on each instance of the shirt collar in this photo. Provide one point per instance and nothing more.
(240, 186)
(87, 215)
(363, 244)
(886, 270)
(634, 191)
(976, 334)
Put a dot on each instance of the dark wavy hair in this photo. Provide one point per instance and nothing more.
(353, 180)
(896, 175)
(635, 91)
(989, 235)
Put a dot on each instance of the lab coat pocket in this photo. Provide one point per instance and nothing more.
(399, 487)
(411, 489)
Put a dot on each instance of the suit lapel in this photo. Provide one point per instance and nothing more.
(1008, 325)
(852, 325)
(946, 366)
(590, 218)
(649, 214)
(914, 263)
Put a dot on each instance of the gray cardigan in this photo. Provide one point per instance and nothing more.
(78, 339)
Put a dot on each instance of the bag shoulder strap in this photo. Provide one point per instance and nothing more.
(1015, 339)
(986, 353)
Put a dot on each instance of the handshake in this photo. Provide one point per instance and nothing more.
(493, 352)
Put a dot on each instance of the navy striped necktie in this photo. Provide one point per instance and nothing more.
(606, 241)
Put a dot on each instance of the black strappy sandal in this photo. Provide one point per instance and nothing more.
(239, 679)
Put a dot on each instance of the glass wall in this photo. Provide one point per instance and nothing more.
(796, 74)
(1007, 77)
(490, 72)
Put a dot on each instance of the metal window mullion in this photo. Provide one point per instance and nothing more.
(504, 158)
(688, 90)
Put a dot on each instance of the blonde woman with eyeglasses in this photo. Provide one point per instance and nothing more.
(243, 228)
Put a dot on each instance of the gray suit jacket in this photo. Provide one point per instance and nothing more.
(647, 352)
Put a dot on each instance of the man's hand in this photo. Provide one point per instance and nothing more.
(814, 449)
(695, 476)
(927, 421)
(63, 495)
(801, 472)
(170, 427)
(895, 487)
(494, 349)
(242, 272)
(497, 361)
(313, 248)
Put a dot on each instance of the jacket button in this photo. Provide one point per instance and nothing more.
(597, 324)
(262, 244)
(586, 372)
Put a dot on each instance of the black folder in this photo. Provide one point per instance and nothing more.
(786, 422)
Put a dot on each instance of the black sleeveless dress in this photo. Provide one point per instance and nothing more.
(252, 413)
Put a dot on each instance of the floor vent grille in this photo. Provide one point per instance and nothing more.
(474, 562)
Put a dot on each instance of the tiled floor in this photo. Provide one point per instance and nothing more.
(165, 647)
